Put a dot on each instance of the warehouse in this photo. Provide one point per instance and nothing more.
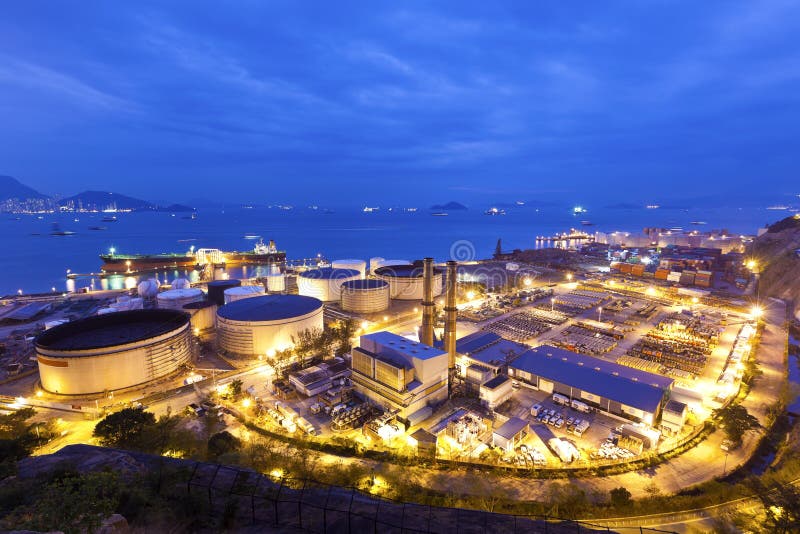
(486, 349)
(365, 296)
(113, 351)
(392, 371)
(406, 281)
(325, 284)
(258, 325)
(610, 387)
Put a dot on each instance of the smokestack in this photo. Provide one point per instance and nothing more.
(450, 313)
(428, 306)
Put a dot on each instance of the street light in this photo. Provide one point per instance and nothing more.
(757, 311)
(600, 314)
(569, 277)
(528, 281)
(552, 305)
(470, 295)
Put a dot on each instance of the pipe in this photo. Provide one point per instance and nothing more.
(428, 306)
(451, 313)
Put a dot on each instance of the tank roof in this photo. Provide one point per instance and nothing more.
(225, 283)
(269, 308)
(329, 273)
(369, 283)
(198, 305)
(111, 329)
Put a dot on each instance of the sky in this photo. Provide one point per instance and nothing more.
(371, 102)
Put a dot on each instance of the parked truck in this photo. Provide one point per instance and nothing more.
(580, 406)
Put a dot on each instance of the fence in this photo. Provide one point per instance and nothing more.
(321, 508)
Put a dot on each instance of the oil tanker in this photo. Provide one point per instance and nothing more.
(192, 259)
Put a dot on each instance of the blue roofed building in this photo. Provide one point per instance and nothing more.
(607, 386)
(399, 374)
(486, 350)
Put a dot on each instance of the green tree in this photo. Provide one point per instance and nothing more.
(127, 428)
(236, 388)
(222, 443)
(620, 497)
(781, 507)
(736, 422)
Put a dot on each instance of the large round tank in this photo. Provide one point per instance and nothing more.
(365, 296)
(242, 292)
(324, 283)
(113, 351)
(176, 299)
(203, 315)
(374, 263)
(148, 289)
(406, 281)
(181, 283)
(356, 265)
(216, 290)
(276, 283)
(256, 326)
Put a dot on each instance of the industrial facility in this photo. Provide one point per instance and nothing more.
(607, 386)
(406, 281)
(258, 325)
(113, 351)
(325, 283)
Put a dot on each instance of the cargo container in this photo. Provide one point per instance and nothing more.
(560, 399)
(637, 270)
(674, 276)
(625, 268)
(662, 274)
(687, 278)
(615, 265)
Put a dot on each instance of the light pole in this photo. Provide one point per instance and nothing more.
(600, 314)
(552, 305)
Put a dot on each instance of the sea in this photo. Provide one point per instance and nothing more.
(34, 261)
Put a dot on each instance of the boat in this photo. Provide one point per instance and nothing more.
(652, 206)
(261, 253)
(368, 209)
(251, 236)
(578, 209)
(109, 218)
(697, 223)
(587, 223)
(191, 217)
(56, 230)
(440, 214)
(495, 211)
(98, 228)
(778, 208)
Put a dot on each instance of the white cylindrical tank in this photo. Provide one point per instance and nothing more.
(374, 263)
(242, 292)
(357, 265)
(113, 351)
(181, 283)
(365, 296)
(257, 326)
(274, 269)
(406, 281)
(276, 283)
(203, 315)
(149, 288)
(325, 283)
(176, 299)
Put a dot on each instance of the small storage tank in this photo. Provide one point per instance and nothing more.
(149, 288)
(216, 290)
(325, 283)
(176, 299)
(203, 315)
(276, 283)
(181, 283)
(357, 265)
(242, 292)
(365, 296)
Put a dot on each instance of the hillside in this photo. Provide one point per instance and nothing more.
(777, 252)
(104, 199)
(10, 187)
(450, 206)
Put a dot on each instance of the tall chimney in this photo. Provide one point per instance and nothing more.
(450, 313)
(428, 306)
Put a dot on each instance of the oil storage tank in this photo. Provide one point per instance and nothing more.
(255, 326)
(113, 351)
(176, 299)
(276, 282)
(406, 281)
(216, 290)
(242, 292)
(203, 315)
(365, 296)
(325, 283)
(358, 265)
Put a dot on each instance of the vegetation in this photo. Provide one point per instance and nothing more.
(125, 428)
(18, 437)
(736, 421)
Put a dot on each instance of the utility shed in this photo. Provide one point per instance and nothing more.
(496, 391)
(510, 434)
(674, 416)
(424, 442)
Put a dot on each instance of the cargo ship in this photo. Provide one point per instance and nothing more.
(192, 259)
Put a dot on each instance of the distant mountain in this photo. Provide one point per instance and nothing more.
(11, 188)
(450, 206)
(105, 199)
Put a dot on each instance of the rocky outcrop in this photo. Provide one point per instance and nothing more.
(777, 254)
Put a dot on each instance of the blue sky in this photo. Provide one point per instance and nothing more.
(375, 101)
